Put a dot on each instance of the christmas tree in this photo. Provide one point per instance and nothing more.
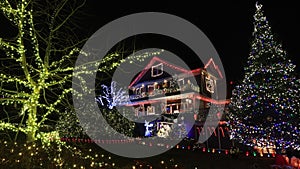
(265, 105)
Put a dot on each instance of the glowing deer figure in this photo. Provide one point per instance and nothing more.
(147, 125)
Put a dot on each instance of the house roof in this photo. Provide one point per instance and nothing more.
(215, 67)
(155, 60)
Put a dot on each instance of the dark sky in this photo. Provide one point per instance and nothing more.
(228, 24)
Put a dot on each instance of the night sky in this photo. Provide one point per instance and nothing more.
(228, 25)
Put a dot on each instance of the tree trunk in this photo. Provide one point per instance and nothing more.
(31, 124)
(31, 136)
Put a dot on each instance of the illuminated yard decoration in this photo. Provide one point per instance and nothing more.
(37, 65)
(148, 131)
(164, 129)
(265, 106)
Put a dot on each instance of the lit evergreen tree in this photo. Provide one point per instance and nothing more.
(265, 106)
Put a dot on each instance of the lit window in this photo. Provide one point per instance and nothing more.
(157, 70)
(150, 89)
(210, 84)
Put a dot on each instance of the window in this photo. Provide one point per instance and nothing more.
(142, 88)
(150, 89)
(157, 70)
(181, 83)
(137, 91)
(210, 84)
(150, 110)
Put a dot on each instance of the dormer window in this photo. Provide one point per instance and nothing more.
(157, 70)
(210, 84)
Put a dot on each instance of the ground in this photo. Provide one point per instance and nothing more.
(189, 159)
(90, 155)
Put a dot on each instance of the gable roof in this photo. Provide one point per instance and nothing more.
(215, 67)
(155, 59)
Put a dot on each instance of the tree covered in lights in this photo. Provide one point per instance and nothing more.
(112, 96)
(36, 65)
(37, 62)
(265, 105)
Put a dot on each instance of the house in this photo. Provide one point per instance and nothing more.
(155, 91)
(165, 89)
